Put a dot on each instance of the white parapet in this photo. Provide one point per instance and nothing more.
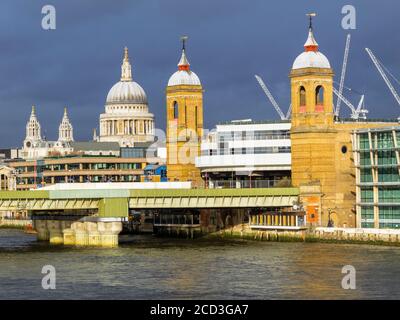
(272, 161)
(118, 185)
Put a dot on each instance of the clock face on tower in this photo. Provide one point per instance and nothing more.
(28, 144)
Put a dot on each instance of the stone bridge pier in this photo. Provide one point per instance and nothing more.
(85, 232)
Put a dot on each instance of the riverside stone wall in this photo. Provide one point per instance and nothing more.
(15, 223)
(319, 234)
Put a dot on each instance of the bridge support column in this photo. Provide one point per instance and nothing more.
(42, 230)
(55, 232)
(69, 237)
(109, 232)
(94, 237)
(89, 233)
(81, 234)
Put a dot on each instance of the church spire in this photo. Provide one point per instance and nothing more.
(126, 69)
(65, 130)
(33, 130)
(183, 62)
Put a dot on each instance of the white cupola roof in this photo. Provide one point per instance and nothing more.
(126, 91)
(184, 76)
(311, 57)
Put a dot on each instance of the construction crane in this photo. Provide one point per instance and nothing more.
(356, 113)
(271, 98)
(379, 65)
(361, 112)
(344, 67)
(289, 112)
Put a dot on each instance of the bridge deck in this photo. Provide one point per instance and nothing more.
(146, 199)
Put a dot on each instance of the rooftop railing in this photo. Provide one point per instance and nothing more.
(237, 184)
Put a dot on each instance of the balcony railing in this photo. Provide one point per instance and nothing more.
(223, 184)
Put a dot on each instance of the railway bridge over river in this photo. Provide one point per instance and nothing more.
(94, 217)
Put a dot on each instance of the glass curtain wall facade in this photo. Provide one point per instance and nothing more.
(377, 162)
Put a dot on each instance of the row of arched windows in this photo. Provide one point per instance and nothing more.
(176, 113)
(319, 98)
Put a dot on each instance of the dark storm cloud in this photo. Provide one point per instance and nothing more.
(230, 41)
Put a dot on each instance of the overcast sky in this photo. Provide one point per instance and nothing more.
(229, 41)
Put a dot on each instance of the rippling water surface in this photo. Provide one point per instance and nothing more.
(145, 267)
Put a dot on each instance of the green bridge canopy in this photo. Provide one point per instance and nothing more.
(115, 202)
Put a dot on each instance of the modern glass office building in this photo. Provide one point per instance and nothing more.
(377, 161)
(246, 154)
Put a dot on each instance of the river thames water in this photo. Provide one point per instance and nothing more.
(146, 267)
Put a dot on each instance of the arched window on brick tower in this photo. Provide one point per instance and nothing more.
(319, 99)
(302, 99)
(175, 106)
